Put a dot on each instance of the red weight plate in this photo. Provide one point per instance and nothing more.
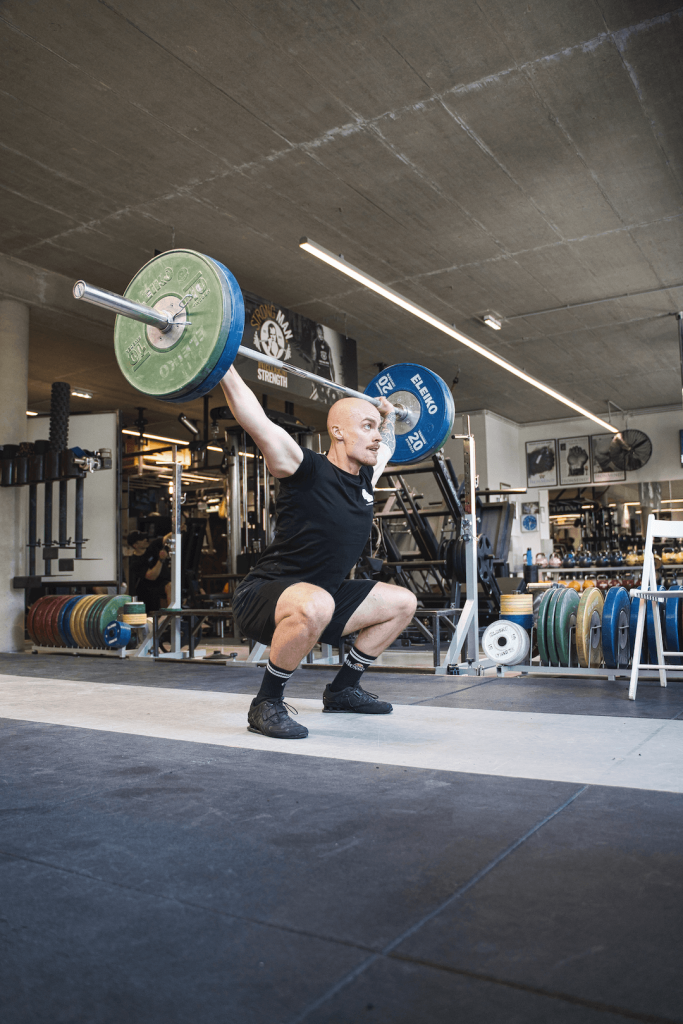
(39, 620)
(29, 621)
(52, 627)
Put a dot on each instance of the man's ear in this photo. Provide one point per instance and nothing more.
(337, 433)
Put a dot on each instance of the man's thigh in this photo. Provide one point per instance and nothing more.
(296, 597)
(381, 604)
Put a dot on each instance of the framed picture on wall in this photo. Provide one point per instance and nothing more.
(574, 457)
(604, 470)
(541, 464)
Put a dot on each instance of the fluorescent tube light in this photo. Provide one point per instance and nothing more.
(492, 321)
(339, 263)
(168, 440)
(80, 393)
(29, 413)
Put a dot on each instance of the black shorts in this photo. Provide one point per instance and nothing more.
(254, 607)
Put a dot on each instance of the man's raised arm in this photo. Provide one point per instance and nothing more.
(282, 454)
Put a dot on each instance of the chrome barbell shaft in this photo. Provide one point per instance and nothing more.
(164, 321)
(125, 307)
(259, 357)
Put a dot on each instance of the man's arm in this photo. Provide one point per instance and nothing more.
(153, 573)
(282, 454)
(387, 432)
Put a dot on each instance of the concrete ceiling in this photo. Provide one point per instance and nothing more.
(515, 155)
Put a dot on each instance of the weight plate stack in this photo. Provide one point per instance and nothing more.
(52, 624)
(78, 620)
(565, 617)
(615, 628)
(191, 358)
(133, 613)
(63, 622)
(91, 620)
(541, 622)
(505, 642)
(633, 625)
(430, 403)
(553, 653)
(39, 624)
(109, 613)
(673, 631)
(588, 614)
(650, 630)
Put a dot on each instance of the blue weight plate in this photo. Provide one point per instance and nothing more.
(234, 301)
(673, 631)
(633, 624)
(63, 621)
(650, 630)
(117, 635)
(616, 613)
(423, 392)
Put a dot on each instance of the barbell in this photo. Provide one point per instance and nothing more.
(178, 330)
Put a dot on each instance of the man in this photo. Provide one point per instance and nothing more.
(297, 593)
(323, 361)
(148, 576)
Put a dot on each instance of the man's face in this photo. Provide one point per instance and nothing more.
(140, 547)
(358, 422)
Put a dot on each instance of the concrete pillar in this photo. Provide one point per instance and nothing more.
(13, 399)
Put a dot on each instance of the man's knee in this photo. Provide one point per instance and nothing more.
(406, 604)
(315, 612)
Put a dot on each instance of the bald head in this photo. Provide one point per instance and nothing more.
(350, 412)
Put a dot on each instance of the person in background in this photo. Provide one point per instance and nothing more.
(149, 570)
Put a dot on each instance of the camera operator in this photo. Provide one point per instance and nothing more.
(149, 570)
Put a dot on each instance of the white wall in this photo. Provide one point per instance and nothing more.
(93, 431)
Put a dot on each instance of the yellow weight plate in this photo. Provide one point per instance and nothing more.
(589, 613)
(79, 618)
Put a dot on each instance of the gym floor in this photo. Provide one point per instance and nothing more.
(497, 850)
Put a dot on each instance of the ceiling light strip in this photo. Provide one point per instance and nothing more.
(339, 263)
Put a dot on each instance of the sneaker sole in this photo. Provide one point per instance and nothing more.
(354, 711)
(270, 736)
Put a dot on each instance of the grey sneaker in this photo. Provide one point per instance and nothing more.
(354, 699)
(270, 718)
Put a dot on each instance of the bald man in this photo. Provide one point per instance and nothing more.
(297, 593)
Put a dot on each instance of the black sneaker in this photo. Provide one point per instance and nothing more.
(356, 699)
(270, 718)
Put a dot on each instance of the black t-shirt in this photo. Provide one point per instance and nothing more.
(139, 565)
(323, 521)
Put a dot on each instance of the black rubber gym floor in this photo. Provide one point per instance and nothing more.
(148, 880)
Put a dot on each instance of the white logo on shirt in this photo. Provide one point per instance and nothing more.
(368, 497)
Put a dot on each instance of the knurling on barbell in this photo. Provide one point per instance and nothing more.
(178, 331)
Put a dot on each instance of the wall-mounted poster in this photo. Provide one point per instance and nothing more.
(530, 516)
(541, 464)
(301, 342)
(574, 456)
(604, 470)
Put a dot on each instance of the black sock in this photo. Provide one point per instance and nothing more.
(351, 671)
(273, 684)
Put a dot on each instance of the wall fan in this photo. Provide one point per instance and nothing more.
(630, 450)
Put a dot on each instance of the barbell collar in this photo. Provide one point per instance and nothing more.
(122, 306)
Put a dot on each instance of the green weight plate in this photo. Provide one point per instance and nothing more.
(133, 607)
(91, 618)
(210, 313)
(565, 618)
(550, 628)
(541, 623)
(109, 613)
